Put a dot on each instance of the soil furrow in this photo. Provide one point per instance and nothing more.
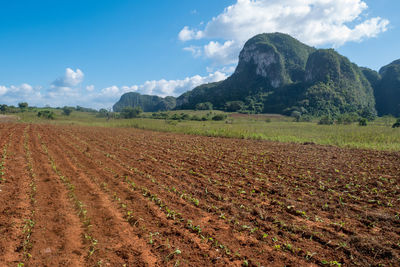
(116, 244)
(57, 236)
(15, 204)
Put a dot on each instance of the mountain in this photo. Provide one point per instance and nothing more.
(148, 103)
(278, 74)
(387, 90)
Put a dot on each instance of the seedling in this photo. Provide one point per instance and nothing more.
(176, 252)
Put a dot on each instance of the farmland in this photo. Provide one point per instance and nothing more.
(95, 196)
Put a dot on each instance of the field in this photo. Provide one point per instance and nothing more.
(378, 135)
(96, 196)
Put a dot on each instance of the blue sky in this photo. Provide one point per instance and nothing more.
(90, 52)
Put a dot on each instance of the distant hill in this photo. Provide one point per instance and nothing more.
(148, 103)
(278, 74)
(387, 89)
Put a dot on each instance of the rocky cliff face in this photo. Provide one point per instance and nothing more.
(267, 63)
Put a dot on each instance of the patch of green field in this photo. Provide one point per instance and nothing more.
(377, 135)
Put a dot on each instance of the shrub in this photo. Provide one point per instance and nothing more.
(172, 122)
(363, 122)
(326, 120)
(347, 118)
(234, 106)
(130, 112)
(306, 118)
(396, 124)
(204, 106)
(23, 106)
(160, 115)
(185, 116)
(219, 117)
(67, 111)
(46, 114)
(296, 115)
(195, 118)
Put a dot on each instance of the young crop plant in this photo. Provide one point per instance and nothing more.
(29, 223)
(3, 160)
(79, 205)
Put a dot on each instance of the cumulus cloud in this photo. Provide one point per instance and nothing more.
(164, 87)
(195, 50)
(90, 88)
(70, 79)
(315, 22)
(69, 93)
(187, 34)
(19, 93)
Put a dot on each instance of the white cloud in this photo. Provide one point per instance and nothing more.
(163, 87)
(70, 79)
(187, 34)
(90, 88)
(222, 53)
(88, 96)
(3, 90)
(195, 50)
(14, 94)
(315, 22)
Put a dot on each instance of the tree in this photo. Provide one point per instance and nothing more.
(23, 106)
(363, 122)
(233, 106)
(47, 114)
(204, 106)
(397, 124)
(3, 108)
(296, 115)
(67, 111)
(130, 112)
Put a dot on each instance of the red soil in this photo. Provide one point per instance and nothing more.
(115, 197)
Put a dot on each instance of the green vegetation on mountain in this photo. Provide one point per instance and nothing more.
(387, 91)
(278, 74)
(147, 103)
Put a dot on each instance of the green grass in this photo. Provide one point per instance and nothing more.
(377, 135)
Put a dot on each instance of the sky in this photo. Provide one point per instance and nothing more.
(90, 52)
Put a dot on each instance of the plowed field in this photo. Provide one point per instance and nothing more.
(85, 196)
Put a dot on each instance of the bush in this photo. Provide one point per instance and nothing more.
(363, 122)
(306, 118)
(396, 124)
(326, 120)
(171, 122)
(296, 115)
(204, 106)
(185, 116)
(234, 106)
(160, 115)
(3, 108)
(219, 117)
(46, 114)
(130, 112)
(23, 106)
(67, 111)
(347, 118)
(195, 118)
